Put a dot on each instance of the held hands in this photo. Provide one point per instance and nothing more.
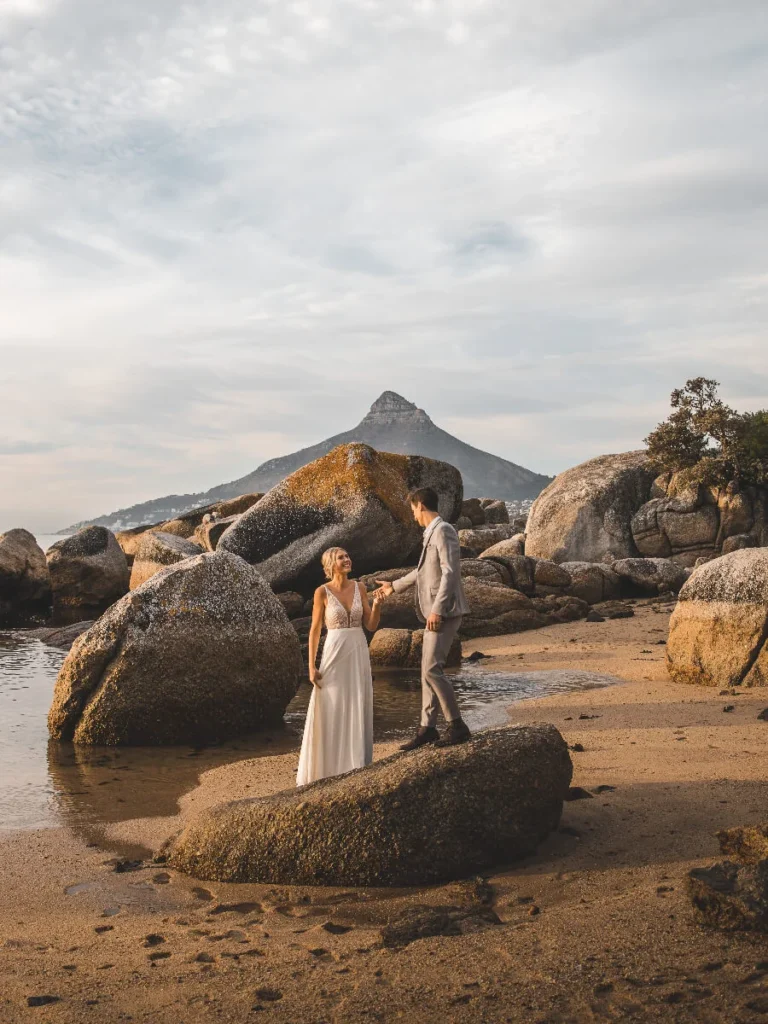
(385, 590)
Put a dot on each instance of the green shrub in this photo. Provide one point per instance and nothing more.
(707, 441)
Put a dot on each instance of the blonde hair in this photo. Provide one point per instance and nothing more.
(329, 561)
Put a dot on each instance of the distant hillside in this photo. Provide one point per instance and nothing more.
(392, 425)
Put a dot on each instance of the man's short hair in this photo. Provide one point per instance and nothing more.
(425, 496)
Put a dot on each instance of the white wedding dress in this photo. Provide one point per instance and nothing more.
(338, 733)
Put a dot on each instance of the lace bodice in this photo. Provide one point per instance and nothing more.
(336, 616)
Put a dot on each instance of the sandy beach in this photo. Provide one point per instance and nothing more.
(596, 926)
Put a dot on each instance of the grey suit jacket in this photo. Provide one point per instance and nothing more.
(437, 577)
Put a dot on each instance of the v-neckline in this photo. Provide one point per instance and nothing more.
(338, 599)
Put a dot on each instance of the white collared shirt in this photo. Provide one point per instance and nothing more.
(431, 529)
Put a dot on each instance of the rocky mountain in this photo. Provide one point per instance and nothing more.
(392, 425)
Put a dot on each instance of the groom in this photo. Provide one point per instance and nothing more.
(440, 603)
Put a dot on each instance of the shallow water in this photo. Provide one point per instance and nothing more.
(44, 783)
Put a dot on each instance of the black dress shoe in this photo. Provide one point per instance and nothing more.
(457, 732)
(424, 735)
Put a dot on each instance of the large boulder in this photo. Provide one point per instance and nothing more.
(479, 540)
(401, 648)
(684, 527)
(25, 584)
(399, 610)
(592, 582)
(584, 514)
(208, 534)
(480, 569)
(129, 540)
(649, 575)
(354, 497)
(472, 509)
(692, 522)
(156, 552)
(201, 652)
(186, 524)
(496, 609)
(411, 819)
(89, 572)
(510, 548)
(496, 512)
(718, 632)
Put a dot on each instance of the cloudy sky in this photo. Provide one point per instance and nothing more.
(226, 227)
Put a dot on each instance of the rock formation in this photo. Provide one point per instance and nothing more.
(585, 513)
(25, 584)
(491, 801)
(733, 895)
(89, 572)
(401, 648)
(687, 523)
(201, 652)
(157, 551)
(356, 498)
(718, 633)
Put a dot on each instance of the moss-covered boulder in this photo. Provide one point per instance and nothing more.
(89, 572)
(25, 584)
(354, 497)
(411, 819)
(718, 633)
(201, 652)
(156, 552)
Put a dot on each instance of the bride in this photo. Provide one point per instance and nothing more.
(338, 734)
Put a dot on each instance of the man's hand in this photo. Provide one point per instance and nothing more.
(434, 623)
(385, 590)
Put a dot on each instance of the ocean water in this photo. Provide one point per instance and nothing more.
(44, 783)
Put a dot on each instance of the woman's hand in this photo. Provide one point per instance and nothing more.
(315, 677)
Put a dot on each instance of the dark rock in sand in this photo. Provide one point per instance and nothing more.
(201, 652)
(489, 801)
(731, 897)
(614, 610)
(355, 498)
(157, 551)
(89, 572)
(747, 844)
(25, 584)
(424, 922)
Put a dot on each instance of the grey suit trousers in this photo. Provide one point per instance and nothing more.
(436, 690)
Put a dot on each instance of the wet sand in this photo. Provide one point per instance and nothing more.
(595, 926)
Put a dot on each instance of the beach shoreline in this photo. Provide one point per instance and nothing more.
(596, 925)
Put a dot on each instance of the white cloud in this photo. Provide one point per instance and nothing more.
(225, 228)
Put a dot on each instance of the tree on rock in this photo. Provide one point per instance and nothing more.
(707, 441)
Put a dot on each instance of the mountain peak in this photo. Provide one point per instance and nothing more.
(390, 407)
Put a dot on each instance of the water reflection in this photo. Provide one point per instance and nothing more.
(45, 783)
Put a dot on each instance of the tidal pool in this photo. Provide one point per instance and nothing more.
(44, 783)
